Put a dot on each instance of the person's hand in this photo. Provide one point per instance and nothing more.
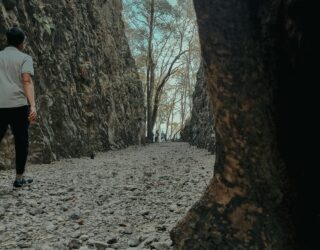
(32, 114)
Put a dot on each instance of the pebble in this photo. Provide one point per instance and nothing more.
(50, 227)
(84, 248)
(24, 244)
(161, 245)
(2, 229)
(74, 244)
(84, 237)
(44, 247)
(76, 234)
(112, 240)
(145, 212)
(98, 244)
(173, 208)
(136, 210)
(133, 242)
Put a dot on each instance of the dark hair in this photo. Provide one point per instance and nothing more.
(15, 36)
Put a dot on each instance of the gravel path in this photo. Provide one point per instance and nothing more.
(125, 199)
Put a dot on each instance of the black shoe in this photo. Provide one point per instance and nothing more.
(22, 182)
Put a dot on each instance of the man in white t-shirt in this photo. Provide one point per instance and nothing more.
(17, 102)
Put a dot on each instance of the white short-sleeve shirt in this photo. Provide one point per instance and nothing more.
(13, 63)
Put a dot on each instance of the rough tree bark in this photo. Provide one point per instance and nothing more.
(150, 74)
(251, 201)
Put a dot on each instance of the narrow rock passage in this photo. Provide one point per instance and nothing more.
(125, 199)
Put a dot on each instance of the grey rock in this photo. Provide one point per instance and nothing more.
(50, 227)
(91, 235)
(98, 244)
(145, 212)
(161, 245)
(149, 240)
(127, 231)
(76, 226)
(44, 247)
(64, 208)
(76, 234)
(21, 212)
(2, 212)
(61, 245)
(24, 244)
(84, 248)
(22, 236)
(74, 244)
(84, 237)
(36, 211)
(32, 203)
(173, 208)
(2, 229)
(60, 218)
(161, 228)
(74, 216)
(133, 242)
(6, 205)
(112, 240)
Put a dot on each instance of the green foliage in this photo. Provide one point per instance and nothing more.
(46, 23)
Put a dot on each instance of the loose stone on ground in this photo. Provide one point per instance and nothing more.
(125, 199)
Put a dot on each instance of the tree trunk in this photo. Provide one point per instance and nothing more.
(171, 125)
(150, 75)
(155, 108)
(172, 106)
(158, 92)
(182, 104)
(189, 90)
(248, 203)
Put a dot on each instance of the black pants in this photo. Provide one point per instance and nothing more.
(17, 118)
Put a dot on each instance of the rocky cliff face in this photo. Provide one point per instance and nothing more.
(88, 93)
(199, 129)
(259, 63)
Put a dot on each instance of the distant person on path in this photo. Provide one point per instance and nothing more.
(17, 102)
(163, 136)
(157, 136)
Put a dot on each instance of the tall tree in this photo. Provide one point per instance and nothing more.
(159, 35)
(150, 72)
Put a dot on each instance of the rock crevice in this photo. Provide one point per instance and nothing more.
(199, 130)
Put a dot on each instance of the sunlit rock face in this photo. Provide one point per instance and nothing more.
(88, 94)
(199, 130)
(257, 64)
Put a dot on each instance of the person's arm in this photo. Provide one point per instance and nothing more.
(29, 92)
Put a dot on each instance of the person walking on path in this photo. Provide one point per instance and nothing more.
(17, 101)
(157, 136)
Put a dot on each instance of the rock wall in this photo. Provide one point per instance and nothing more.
(259, 61)
(199, 129)
(88, 93)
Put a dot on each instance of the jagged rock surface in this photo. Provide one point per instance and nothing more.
(199, 129)
(88, 93)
